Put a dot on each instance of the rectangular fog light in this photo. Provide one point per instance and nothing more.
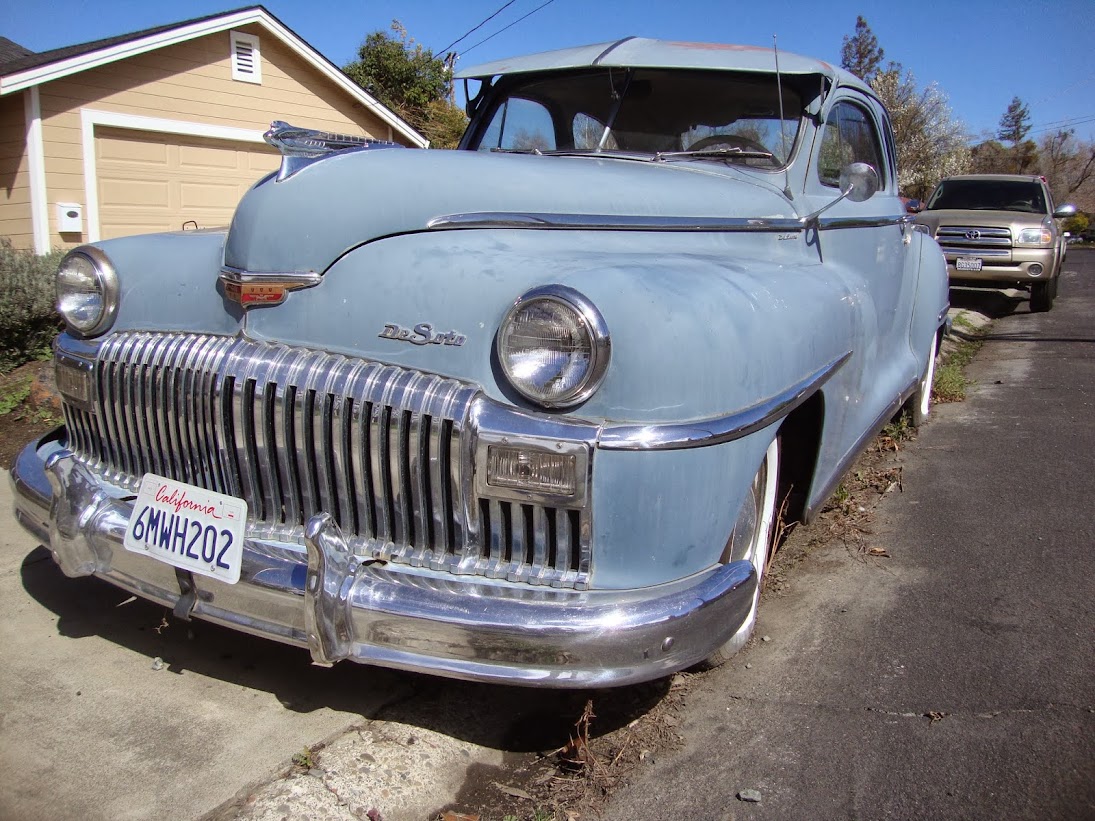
(532, 470)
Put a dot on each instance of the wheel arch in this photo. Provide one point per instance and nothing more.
(801, 443)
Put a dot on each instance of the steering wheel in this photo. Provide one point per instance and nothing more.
(734, 141)
(729, 141)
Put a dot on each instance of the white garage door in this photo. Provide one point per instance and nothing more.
(159, 182)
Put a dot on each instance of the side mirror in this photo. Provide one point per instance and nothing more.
(1064, 211)
(859, 181)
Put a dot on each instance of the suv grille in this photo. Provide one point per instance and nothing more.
(984, 242)
(295, 431)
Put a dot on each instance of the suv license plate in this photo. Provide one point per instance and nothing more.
(188, 527)
(968, 263)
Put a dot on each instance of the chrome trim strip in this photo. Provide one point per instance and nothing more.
(706, 432)
(838, 223)
(290, 279)
(623, 222)
(608, 222)
(994, 253)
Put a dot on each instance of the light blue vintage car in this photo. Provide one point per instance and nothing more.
(525, 412)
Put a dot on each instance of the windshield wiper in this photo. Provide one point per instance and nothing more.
(536, 151)
(729, 153)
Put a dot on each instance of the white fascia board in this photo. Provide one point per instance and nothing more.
(63, 68)
(304, 51)
(36, 159)
(90, 118)
(111, 54)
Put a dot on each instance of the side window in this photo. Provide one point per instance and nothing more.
(849, 136)
(520, 124)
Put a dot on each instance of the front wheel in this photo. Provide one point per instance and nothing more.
(1042, 295)
(751, 541)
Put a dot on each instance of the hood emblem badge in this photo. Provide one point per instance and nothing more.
(258, 290)
(421, 334)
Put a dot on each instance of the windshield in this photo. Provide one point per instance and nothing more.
(732, 117)
(989, 195)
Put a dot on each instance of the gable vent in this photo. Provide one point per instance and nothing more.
(246, 58)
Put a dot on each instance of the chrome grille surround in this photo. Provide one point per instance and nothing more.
(387, 451)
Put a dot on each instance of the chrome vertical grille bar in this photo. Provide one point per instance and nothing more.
(142, 454)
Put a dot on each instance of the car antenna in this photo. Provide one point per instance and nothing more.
(782, 135)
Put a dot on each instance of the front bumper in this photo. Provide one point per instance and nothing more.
(1022, 266)
(340, 607)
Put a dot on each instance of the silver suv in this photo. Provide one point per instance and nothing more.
(999, 230)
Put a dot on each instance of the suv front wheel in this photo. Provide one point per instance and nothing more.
(1042, 295)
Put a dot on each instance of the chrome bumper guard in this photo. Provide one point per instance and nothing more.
(340, 606)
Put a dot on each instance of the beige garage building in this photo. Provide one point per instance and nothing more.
(161, 129)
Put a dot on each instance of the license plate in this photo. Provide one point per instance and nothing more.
(188, 527)
(968, 263)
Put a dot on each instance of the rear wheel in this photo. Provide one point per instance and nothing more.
(1042, 295)
(751, 541)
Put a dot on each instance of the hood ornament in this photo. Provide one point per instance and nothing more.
(300, 147)
(257, 290)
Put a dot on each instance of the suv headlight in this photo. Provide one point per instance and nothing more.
(87, 291)
(1035, 236)
(553, 346)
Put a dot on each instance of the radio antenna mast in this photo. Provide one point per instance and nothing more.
(782, 133)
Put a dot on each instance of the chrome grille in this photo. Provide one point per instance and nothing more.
(295, 432)
(985, 242)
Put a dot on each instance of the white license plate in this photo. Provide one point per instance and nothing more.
(968, 263)
(188, 527)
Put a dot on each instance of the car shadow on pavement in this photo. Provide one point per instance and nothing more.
(990, 302)
(510, 719)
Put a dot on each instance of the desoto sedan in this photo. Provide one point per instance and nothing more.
(528, 411)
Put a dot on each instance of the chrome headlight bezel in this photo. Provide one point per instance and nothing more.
(587, 320)
(105, 286)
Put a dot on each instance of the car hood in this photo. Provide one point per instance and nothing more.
(979, 218)
(307, 221)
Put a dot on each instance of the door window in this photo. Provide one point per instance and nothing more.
(849, 136)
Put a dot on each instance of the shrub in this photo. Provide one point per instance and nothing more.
(28, 320)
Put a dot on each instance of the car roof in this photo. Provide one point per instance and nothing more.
(641, 52)
(998, 177)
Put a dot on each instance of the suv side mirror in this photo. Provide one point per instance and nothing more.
(1064, 211)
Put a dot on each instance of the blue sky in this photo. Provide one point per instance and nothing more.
(981, 53)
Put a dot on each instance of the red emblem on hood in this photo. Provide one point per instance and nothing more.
(257, 290)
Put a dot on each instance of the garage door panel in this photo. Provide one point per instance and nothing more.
(131, 151)
(157, 182)
(129, 192)
(195, 196)
(205, 158)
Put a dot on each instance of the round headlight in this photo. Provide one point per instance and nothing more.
(553, 346)
(87, 291)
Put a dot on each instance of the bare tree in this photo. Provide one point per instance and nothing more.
(1069, 166)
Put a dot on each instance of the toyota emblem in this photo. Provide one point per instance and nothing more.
(973, 235)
